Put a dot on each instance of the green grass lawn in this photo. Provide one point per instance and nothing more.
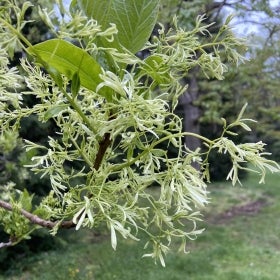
(241, 241)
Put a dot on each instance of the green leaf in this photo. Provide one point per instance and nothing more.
(155, 66)
(26, 200)
(134, 19)
(68, 59)
(54, 111)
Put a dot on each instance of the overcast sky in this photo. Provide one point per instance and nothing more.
(241, 27)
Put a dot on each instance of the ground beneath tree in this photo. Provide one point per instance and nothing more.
(248, 209)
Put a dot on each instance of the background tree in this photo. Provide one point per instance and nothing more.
(206, 100)
(258, 79)
(202, 112)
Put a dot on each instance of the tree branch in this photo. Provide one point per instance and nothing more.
(103, 145)
(6, 244)
(34, 219)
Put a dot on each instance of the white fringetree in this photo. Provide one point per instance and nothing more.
(114, 120)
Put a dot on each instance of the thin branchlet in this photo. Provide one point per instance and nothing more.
(34, 219)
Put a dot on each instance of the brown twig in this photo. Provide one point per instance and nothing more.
(34, 219)
(103, 145)
(6, 244)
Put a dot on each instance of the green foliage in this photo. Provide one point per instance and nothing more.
(15, 224)
(134, 21)
(8, 141)
(91, 186)
(67, 59)
(236, 247)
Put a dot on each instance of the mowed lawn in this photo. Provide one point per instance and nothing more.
(241, 242)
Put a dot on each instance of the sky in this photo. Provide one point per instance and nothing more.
(251, 24)
(241, 28)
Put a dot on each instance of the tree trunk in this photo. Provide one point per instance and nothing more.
(191, 112)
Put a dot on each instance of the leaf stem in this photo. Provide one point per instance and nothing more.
(84, 156)
(18, 34)
(79, 110)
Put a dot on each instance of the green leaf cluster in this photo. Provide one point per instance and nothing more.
(13, 222)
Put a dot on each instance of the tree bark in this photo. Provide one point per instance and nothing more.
(191, 112)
